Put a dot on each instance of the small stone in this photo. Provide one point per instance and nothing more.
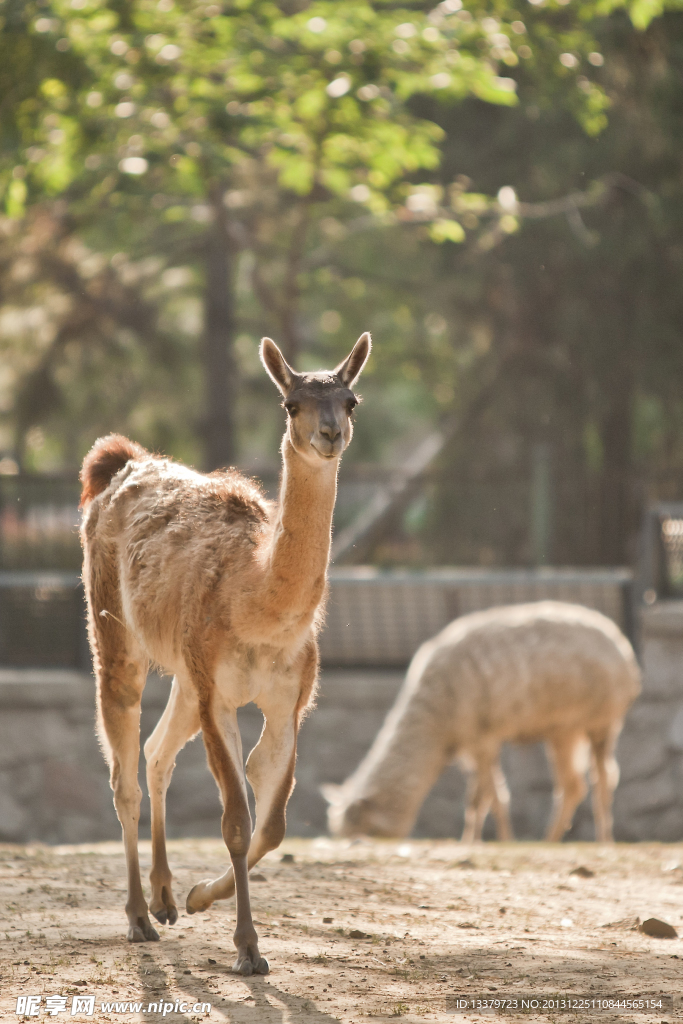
(582, 872)
(287, 858)
(356, 933)
(212, 961)
(631, 924)
(328, 920)
(258, 877)
(658, 929)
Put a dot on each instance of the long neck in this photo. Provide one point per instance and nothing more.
(299, 551)
(405, 760)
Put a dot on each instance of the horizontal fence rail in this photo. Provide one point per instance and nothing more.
(39, 515)
(42, 621)
(381, 618)
(373, 618)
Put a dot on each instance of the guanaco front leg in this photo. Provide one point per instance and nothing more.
(224, 753)
(486, 787)
(567, 754)
(270, 770)
(604, 779)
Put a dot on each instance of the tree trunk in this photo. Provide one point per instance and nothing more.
(220, 370)
(616, 520)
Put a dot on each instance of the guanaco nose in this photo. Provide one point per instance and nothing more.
(331, 431)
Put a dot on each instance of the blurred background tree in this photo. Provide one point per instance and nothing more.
(195, 134)
(493, 191)
(577, 317)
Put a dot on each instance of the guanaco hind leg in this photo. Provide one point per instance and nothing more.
(121, 670)
(178, 724)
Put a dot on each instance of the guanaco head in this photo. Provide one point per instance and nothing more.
(351, 815)
(319, 405)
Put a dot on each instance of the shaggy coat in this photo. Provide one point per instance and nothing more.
(549, 670)
(225, 591)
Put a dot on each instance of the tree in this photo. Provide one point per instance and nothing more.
(575, 318)
(197, 133)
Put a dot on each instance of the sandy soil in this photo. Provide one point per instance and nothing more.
(441, 921)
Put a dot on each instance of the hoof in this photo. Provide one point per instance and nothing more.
(165, 915)
(194, 903)
(245, 967)
(143, 931)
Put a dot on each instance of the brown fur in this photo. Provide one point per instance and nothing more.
(204, 577)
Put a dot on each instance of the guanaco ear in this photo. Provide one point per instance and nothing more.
(276, 365)
(350, 370)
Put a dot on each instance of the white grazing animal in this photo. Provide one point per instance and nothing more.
(549, 670)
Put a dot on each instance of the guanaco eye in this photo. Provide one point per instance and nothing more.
(351, 405)
(291, 408)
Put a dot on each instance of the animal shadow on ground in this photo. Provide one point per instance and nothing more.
(267, 1003)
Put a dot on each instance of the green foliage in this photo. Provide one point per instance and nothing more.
(328, 147)
(166, 126)
(320, 95)
(577, 315)
(641, 12)
(447, 231)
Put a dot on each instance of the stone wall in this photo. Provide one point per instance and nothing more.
(649, 800)
(54, 783)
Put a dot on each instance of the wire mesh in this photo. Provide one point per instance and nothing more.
(672, 544)
(39, 520)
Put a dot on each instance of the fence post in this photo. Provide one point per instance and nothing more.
(541, 503)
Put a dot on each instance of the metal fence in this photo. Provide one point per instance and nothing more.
(42, 621)
(381, 618)
(42, 610)
(661, 574)
(39, 520)
(373, 618)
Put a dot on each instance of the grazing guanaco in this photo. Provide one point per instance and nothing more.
(548, 670)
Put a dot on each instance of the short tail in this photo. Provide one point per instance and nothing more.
(106, 457)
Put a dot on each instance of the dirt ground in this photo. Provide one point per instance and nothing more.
(441, 923)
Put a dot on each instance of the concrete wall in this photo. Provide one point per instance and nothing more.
(649, 801)
(54, 783)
